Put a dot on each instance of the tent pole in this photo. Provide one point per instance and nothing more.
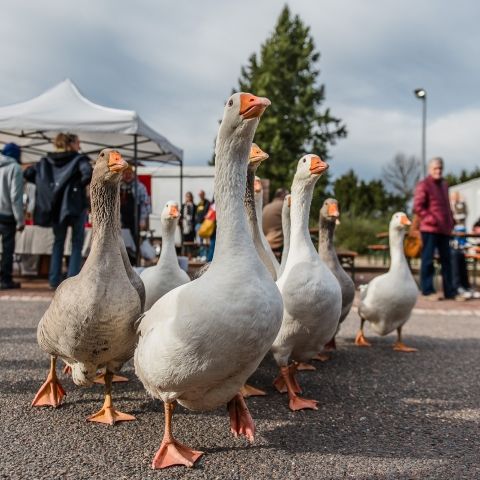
(136, 212)
(181, 196)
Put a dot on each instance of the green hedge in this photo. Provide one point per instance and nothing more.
(355, 233)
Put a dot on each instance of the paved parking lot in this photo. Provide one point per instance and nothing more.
(381, 414)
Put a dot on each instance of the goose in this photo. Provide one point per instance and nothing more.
(388, 300)
(286, 232)
(166, 274)
(329, 215)
(259, 209)
(311, 293)
(90, 322)
(200, 342)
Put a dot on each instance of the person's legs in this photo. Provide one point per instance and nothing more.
(55, 274)
(7, 231)
(456, 267)
(427, 269)
(78, 235)
(443, 245)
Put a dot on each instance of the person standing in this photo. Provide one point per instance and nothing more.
(187, 218)
(202, 209)
(432, 205)
(61, 200)
(272, 221)
(11, 210)
(127, 206)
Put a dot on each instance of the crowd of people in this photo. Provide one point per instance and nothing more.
(61, 181)
(60, 200)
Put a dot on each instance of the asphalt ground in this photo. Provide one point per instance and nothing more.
(382, 414)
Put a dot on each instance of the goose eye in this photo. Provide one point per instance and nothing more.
(230, 102)
(102, 154)
(304, 160)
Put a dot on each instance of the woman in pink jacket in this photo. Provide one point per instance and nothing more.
(432, 205)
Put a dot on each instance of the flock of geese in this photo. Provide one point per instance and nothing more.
(197, 342)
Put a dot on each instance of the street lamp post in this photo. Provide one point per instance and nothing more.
(421, 93)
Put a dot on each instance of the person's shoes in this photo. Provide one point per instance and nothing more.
(466, 294)
(9, 285)
(460, 298)
(432, 297)
(475, 294)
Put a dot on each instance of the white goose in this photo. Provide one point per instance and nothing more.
(200, 342)
(90, 322)
(166, 274)
(311, 294)
(259, 209)
(388, 300)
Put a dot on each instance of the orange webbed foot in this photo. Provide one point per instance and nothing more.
(173, 453)
(299, 403)
(67, 370)
(100, 379)
(401, 347)
(50, 393)
(361, 341)
(241, 422)
(304, 366)
(321, 357)
(110, 416)
(249, 391)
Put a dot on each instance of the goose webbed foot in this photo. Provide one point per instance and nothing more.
(295, 402)
(108, 414)
(249, 391)
(241, 422)
(401, 347)
(361, 341)
(301, 366)
(321, 357)
(100, 379)
(51, 392)
(172, 452)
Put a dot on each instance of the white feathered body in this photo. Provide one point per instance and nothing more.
(212, 335)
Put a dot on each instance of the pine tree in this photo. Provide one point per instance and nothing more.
(286, 72)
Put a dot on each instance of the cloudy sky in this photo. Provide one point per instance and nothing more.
(175, 62)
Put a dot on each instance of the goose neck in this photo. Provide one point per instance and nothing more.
(230, 183)
(302, 193)
(168, 253)
(105, 208)
(326, 233)
(397, 254)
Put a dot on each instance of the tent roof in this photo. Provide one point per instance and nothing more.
(34, 123)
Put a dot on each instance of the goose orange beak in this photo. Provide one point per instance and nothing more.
(252, 106)
(332, 210)
(317, 165)
(257, 154)
(173, 211)
(405, 221)
(116, 163)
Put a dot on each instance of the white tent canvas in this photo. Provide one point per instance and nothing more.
(33, 124)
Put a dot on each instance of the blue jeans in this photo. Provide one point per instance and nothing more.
(75, 263)
(7, 232)
(441, 243)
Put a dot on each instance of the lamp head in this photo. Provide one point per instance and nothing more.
(420, 93)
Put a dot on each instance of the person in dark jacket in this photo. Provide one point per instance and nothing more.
(432, 205)
(11, 210)
(61, 201)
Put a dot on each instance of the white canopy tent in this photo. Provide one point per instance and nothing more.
(34, 123)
